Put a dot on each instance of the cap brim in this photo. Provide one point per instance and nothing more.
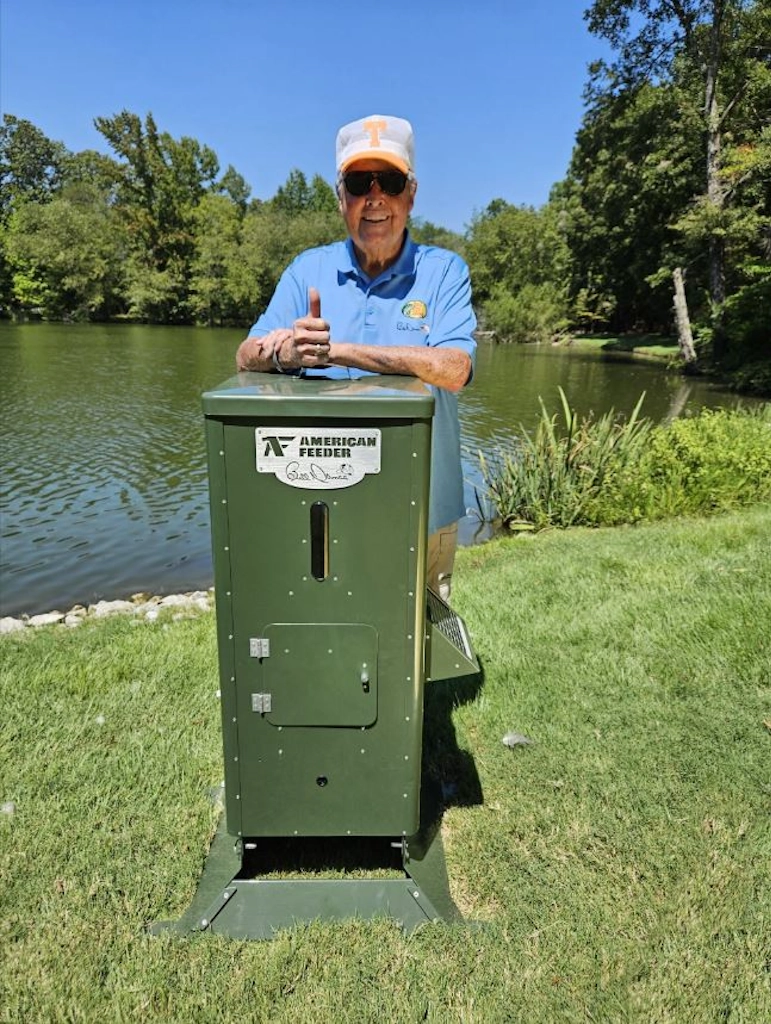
(375, 154)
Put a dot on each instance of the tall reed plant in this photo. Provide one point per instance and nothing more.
(609, 471)
(551, 477)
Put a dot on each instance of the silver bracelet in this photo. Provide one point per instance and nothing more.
(289, 371)
(279, 368)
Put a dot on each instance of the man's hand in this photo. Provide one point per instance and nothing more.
(310, 338)
(305, 343)
(257, 353)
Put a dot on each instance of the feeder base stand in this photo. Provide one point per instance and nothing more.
(231, 901)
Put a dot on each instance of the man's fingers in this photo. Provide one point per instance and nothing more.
(314, 303)
(275, 339)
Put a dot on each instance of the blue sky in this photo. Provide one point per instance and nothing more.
(493, 87)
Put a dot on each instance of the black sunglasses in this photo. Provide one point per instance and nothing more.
(359, 183)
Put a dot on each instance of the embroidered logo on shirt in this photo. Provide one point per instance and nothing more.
(415, 309)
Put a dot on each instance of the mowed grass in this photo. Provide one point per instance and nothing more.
(618, 868)
(651, 346)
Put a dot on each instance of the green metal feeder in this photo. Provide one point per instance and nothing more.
(326, 637)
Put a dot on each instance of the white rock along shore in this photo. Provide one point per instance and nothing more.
(143, 606)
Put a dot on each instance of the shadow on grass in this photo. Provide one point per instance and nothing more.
(450, 777)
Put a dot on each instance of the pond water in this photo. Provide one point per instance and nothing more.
(104, 489)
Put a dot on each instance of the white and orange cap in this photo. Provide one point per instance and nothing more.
(378, 137)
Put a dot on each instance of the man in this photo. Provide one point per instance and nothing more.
(389, 306)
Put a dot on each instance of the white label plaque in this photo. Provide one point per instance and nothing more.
(319, 458)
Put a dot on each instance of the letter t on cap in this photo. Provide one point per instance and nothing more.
(375, 128)
(378, 137)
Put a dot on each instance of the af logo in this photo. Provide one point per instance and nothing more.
(275, 445)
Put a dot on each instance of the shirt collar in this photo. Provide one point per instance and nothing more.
(404, 266)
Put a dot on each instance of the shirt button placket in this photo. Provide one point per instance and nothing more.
(369, 314)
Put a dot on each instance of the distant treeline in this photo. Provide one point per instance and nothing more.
(670, 179)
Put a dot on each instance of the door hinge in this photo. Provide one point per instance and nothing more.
(261, 703)
(259, 647)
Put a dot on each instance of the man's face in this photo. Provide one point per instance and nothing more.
(376, 221)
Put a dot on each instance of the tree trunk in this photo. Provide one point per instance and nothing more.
(715, 193)
(684, 335)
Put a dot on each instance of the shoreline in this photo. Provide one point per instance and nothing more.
(144, 607)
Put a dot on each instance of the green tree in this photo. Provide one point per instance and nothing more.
(162, 182)
(717, 52)
(425, 232)
(294, 196)
(323, 198)
(66, 256)
(519, 261)
(30, 165)
(269, 241)
(634, 169)
(89, 167)
(235, 187)
(30, 172)
(516, 245)
(218, 224)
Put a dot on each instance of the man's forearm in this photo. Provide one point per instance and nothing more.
(447, 368)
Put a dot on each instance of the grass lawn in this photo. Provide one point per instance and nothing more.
(619, 866)
(652, 346)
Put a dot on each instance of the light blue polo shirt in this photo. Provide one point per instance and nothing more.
(423, 299)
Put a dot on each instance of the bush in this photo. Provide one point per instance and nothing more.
(720, 459)
(534, 314)
(752, 379)
(604, 472)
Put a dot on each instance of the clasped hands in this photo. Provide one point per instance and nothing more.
(305, 343)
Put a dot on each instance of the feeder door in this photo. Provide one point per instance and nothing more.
(321, 673)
